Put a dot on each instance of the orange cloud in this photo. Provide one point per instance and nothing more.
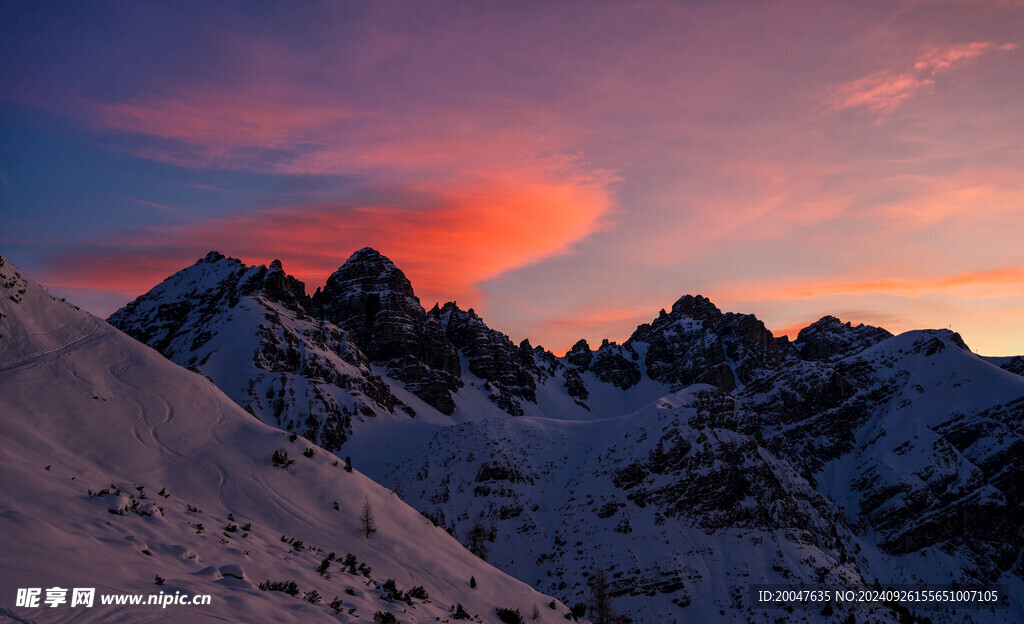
(884, 91)
(457, 237)
(991, 282)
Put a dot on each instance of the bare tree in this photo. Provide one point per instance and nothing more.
(476, 540)
(369, 527)
(600, 607)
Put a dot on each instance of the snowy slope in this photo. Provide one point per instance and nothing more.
(119, 466)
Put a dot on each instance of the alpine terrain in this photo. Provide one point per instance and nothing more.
(701, 456)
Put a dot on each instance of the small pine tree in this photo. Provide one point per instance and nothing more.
(348, 464)
(367, 524)
(535, 615)
(472, 582)
(324, 565)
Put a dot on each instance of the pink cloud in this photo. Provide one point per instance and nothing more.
(884, 91)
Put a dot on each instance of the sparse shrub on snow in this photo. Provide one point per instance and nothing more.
(383, 617)
(280, 460)
(509, 616)
(418, 592)
(286, 587)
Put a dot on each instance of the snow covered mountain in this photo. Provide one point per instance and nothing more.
(126, 473)
(701, 455)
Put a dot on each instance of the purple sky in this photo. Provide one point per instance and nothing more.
(567, 169)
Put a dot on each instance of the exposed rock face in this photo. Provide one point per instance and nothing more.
(697, 343)
(371, 298)
(830, 339)
(616, 365)
(1015, 365)
(511, 372)
(580, 355)
(947, 483)
(575, 387)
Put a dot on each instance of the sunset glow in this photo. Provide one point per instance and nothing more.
(567, 169)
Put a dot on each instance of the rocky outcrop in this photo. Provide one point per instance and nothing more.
(617, 365)
(697, 343)
(510, 372)
(580, 355)
(1015, 365)
(829, 339)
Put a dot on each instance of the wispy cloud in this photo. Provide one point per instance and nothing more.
(884, 91)
(986, 282)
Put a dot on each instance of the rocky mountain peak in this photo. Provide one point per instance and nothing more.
(373, 300)
(697, 343)
(281, 287)
(696, 307)
(370, 271)
(580, 355)
(830, 339)
(211, 257)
